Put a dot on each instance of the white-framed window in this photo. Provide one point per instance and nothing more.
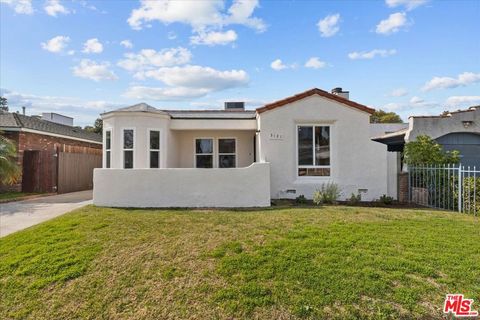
(204, 153)
(313, 150)
(128, 141)
(108, 148)
(154, 148)
(227, 152)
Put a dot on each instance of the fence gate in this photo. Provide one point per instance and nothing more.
(450, 187)
(75, 171)
(39, 171)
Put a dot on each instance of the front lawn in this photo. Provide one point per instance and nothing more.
(330, 262)
(14, 196)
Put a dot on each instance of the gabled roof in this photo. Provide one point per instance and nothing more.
(311, 92)
(16, 120)
(140, 107)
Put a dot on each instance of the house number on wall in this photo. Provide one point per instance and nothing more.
(276, 136)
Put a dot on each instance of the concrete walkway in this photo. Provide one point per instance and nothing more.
(15, 216)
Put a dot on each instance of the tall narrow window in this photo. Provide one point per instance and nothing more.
(313, 150)
(227, 157)
(128, 145)
(108, 148)
(204, 153)
(154, 149)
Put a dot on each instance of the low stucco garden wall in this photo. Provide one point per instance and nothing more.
(183, 187)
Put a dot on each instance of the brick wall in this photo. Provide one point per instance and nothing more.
(403, 187)
(32, 141)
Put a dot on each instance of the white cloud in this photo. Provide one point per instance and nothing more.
(328, 26)
(171, 35)
(20, 6)
(187, 82)
(278, 65)
(371, 54)
(214, 38)
(148, 59)
(56, 44)
(399, 92)
(92, 70)
(462, 80)
(409, 4)
(92, 46)
(393, 23)
(416, 100)
(54, 7)
(315, 63)
(463, 101)
(198, 14)
(127, 44)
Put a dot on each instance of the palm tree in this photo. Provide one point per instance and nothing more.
(9, 170)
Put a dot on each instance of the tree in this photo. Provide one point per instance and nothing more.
(97, 127)
(9, 170)
(424, 150)
(380, 116)
(3, 104)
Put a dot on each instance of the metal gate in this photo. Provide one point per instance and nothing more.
(450, 187)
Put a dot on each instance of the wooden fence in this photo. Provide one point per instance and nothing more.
(62, 172)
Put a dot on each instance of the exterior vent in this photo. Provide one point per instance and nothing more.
(235, 106)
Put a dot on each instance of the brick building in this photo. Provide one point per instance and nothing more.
(31, 133)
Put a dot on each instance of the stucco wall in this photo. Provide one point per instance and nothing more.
(356, 161)
(239, 187)
(185, 145)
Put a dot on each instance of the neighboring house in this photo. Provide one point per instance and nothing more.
(242, 158)
(457, 130)
(41, 143)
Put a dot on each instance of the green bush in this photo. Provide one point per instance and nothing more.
(300, 199)
(328, 193)
(354, 199)
(424, 150)
(386, 199)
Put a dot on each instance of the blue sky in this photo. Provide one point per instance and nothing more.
(81, 58)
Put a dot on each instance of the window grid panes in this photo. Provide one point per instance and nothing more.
(154, 148)
(204, 153)
(227, 153)
(108, 144)
(313, 150)
(128, 145)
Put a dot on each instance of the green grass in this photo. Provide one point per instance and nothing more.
(330, 262)
(7, 196)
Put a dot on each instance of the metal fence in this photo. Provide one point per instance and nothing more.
(450, 187)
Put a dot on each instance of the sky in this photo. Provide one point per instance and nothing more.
(82, 58)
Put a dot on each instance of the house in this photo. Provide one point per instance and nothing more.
(54, 155)
(456, 130)
(242, 158)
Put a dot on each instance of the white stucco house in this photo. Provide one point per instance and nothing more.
(243, 158)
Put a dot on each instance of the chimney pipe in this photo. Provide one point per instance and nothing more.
(23, 110)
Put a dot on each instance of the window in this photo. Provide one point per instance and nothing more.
(204, 153)
(108, 148)
(227, 153)
(128, 144)
(313, 150)
(154, 148)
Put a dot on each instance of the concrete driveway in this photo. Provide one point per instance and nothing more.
(15, 216)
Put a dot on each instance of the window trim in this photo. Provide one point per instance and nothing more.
(297, 166)
(159, 147)
(195, 152)
(123, 144)
(105, 149)
(226, 154)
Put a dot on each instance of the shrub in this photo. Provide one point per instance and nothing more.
(425, 150)
(386, 199)
(328, 193)
(354, 199)
(300, 199)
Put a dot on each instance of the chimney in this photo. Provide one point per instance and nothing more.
(235, 106)
(23, 110)
(339, 92)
